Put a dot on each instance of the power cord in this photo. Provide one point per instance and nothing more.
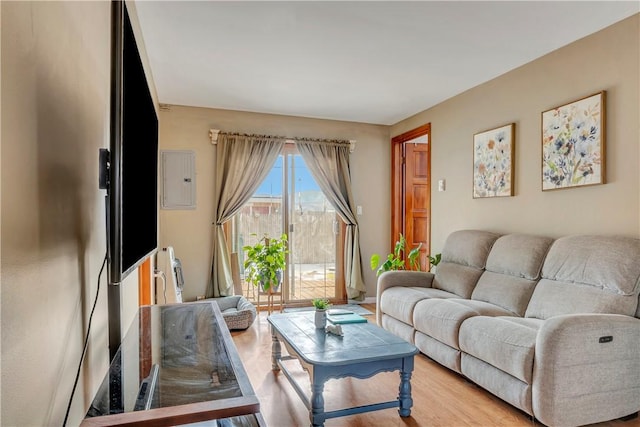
(160, 274)
(86, 342)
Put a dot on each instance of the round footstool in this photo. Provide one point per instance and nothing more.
(237, 311)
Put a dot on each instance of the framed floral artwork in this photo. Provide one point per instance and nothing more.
(573, 137)
(493, 162)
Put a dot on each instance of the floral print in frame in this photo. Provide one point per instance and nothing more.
(493, 162)
(573, 137)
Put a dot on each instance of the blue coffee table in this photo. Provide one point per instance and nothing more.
(364, 351)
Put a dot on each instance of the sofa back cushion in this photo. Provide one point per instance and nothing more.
(588, 274)
(464, 257)
(512, 271)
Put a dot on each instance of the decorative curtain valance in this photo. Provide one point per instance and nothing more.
(214, 134)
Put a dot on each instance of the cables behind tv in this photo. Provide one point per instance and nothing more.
(86, 342)
(160, 274)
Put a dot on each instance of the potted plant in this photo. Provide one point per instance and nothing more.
(321, 306)
(434, 261)
(396, 261)
(265, 262)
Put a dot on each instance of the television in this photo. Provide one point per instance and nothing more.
(133, 183)
(132, 170)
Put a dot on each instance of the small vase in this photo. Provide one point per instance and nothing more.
(320, 319)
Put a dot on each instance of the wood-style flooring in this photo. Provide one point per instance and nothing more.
(440, 396)
(307, 289)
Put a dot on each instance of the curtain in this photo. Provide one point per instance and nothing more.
(328, 162)
(242, 163)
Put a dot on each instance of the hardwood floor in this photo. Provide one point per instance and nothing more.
(440, 396)
(307, 290)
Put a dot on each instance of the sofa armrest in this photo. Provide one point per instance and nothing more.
(586, 369)
(389, 279)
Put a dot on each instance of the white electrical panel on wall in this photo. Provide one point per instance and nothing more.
(178, 179)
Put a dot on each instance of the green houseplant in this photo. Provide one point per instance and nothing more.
(265, 262)
(396, 261)
(320, 317)
(320, 303)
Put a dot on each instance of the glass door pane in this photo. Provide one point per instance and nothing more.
(262, 214)
(312, 237)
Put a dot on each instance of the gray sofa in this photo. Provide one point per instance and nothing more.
(550, 326)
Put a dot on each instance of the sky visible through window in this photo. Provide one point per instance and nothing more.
(272, 185)
(307, 195)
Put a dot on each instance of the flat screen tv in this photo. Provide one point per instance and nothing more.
(133, 172)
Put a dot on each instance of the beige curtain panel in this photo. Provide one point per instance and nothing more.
(328, 162)
(242, 163)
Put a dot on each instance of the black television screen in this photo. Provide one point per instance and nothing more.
(133, 204)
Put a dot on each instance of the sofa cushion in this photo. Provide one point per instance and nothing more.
(463, 257)
(518, 255)
(399, 301)
(588, 274)
(609, 263)
(513, 268)
(441, 319)
(508, 343)
(508, 292)
(457, 279)
(553, 298)
(398, 328)
(468, 247)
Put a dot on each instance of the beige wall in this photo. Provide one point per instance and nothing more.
(190, 231)
(55, 117)
(608, 60)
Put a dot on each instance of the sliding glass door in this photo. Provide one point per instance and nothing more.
(290, 201)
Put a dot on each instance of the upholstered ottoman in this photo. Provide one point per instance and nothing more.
(237, 311)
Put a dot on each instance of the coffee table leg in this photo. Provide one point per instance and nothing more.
(276, 351)
(404, 397)
(317, 404)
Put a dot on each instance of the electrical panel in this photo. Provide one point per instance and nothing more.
(178, 179)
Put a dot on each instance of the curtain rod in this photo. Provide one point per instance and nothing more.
(213, 135)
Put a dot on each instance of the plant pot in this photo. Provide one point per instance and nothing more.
(320, 319)
(273, 287)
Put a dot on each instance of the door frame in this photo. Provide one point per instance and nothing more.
(398, 179)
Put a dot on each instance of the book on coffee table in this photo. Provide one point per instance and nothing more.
(342, 319)
(338, 311)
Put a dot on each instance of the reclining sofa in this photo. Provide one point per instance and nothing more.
(550, 326)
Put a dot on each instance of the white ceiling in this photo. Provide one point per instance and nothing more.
(373, 62)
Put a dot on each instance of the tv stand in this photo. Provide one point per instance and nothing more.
(176, 365)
